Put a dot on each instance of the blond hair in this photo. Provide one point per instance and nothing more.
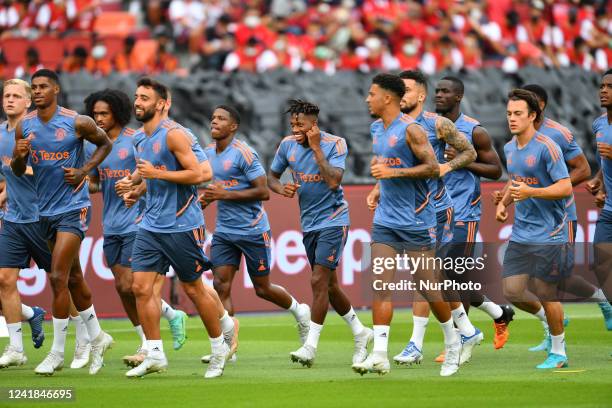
(17, 81)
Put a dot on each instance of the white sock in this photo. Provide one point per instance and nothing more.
(599, 296)
(155, 347)
(26, 312)
(313, 335)
(167, 311)
(462, 321)
(492, 309)
(353, 321)
(450, 335)
(216, 343)
(141, 335)
(381, 338)
(227, 323)
(15, 336)
(542, 316)
(82, 337)
(558, 344)
(418, 330)
(294, 305)
(60, 330)
(91, 321)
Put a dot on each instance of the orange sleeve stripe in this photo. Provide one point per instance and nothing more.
(430, 114)
(440, 193)
(570, 201)
(67, 112)
(422, 206)
(476, 200)
(550, 146)
(341, 147)
(31, 115)
(245, 153)
(564, 131)
(77, 188)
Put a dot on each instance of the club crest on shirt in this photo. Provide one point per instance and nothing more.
(292, 156)
(156, 147)
(530, 161)
(122, 153)
(392, 140)
(509, 158)
(31, 136)
(60, 134)
(227, 164)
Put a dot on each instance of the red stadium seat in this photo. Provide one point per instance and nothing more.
(114, 45)
(145, 49)
(50, 50)
(14, 49)
(73, 41)
(119, 23)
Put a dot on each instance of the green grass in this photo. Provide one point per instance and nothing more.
(264, 375)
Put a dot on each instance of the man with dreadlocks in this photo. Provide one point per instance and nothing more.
(111, 109)
(239, 185)
(317, 161)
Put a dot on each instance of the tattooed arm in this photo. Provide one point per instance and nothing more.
(466, 154)
(417, 141)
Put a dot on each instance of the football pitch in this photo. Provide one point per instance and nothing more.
(264, 376)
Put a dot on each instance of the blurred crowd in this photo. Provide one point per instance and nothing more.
(332, 35)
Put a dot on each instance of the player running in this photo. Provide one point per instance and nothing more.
(404, 220)
(171, 232)
(132, 189)
(579, 171)
(601, 186)
(20, 235)
(538, 245)
(316, 160)
(440, 132)
(464, 187)
(111, 109)
(52, 139)
(240, 186)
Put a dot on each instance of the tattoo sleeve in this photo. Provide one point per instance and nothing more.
(447, 131)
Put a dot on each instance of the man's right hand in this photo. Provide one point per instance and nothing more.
(22, 148)
(124, 186)
(372, 199)
(290, 189)
(130, 198)
(501, 213)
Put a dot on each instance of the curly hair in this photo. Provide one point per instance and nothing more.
(297, 106)
(118, 101)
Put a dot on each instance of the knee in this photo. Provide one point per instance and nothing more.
(8, 280)
(141, 289)
(123, 288)
(221, 287)
(58, 281)
(191, 290)
(262, 291)
(319, 282)
(513, 293)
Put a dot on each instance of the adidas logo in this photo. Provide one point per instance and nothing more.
(65, 328)
(353, 317)
(384, 335)
(91, 316)
(19, 330)
(155, 349)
